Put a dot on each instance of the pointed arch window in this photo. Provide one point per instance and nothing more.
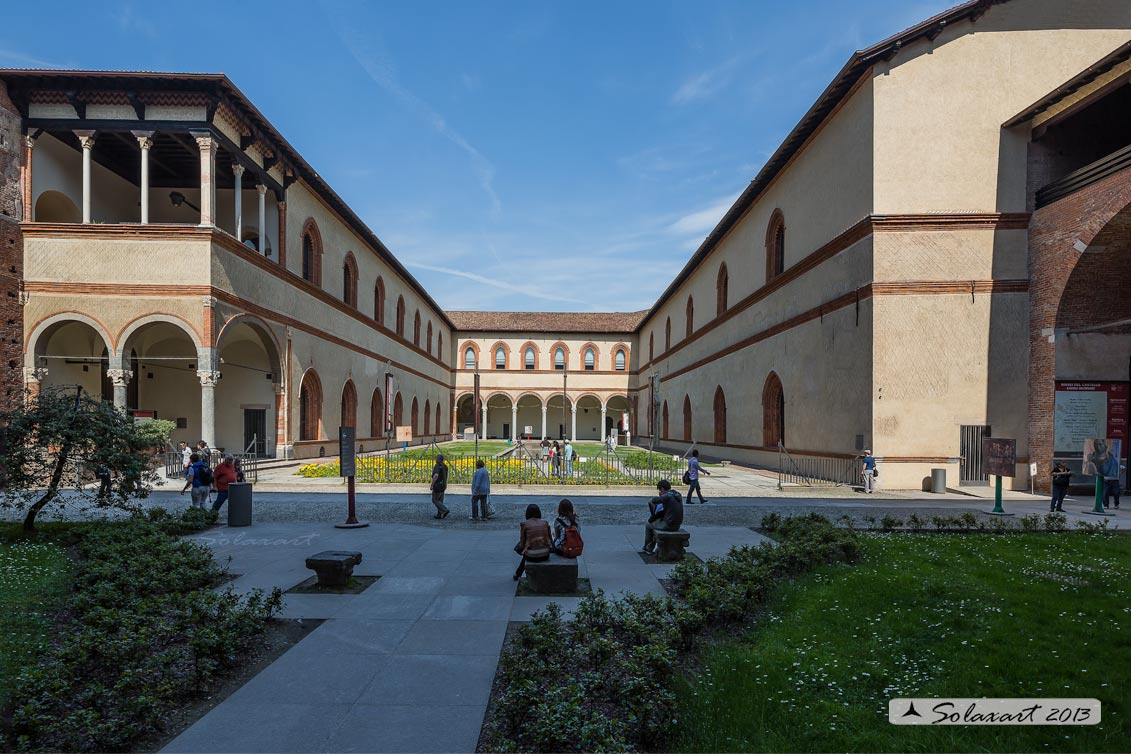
(500, 358)
(775, 245)
(668, 334)
(619, 360)
(400, 315)
(416, 329)
(720, 416)
(687, 418)
(690, 317)
(559, 359)
(429, 339)
(528, 359)
(379, 302)
(469, 358)
(590, 360)
(722, 283)
(773, 412)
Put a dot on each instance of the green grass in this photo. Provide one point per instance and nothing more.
(34, 578)
(926, 616)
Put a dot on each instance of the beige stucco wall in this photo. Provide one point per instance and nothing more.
(939, 106)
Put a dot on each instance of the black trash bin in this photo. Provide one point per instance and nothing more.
(239, 504)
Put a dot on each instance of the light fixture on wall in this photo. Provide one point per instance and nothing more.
(177, 198)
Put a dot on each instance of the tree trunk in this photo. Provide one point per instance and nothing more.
(52, 489)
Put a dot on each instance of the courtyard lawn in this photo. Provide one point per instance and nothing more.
(34, 578)
(493, 447)
(1037, 615)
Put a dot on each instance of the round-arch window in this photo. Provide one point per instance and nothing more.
(529, 358)
(559, 359)
(500, 358)
(469, 358)
(620, 361)
(590, 360)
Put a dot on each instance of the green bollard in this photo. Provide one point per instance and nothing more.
(1098, 510)
(997, 498)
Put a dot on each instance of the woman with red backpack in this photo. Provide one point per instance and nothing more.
(567, 531)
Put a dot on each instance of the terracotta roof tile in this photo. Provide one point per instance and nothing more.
(547, 322)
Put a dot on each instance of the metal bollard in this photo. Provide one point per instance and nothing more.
(239, 504)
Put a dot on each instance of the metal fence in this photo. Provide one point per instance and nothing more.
(815, 471)
(248, 463)
(607, 468)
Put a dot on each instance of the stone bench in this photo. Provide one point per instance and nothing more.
(671, 546)
(334, 567)
(557, 575)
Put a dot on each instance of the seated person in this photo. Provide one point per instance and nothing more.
(566, 543)
(666, 514)
(534, 539)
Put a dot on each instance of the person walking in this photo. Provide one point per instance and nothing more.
(186, 451)
(480, 491)
(556, 458)
(869, 472)
(567, 531)
(224, 474)
(439, 486)
(204, 452)
(200, 480)
(1061, 477)
(105, 480)
(1110, 470)
(568, 453)
(534, 539)
(666, 514)
(693, 472)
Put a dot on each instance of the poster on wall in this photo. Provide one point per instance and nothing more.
(404, 434)
(1101, 457)
(1087, 409)
(999, 456)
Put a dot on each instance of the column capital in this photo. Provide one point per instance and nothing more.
(261, 189)
(207, 377)
(87, 138)
(35, 374)
(204, 140)
(145, 142)
(30, 139)
(120, 377)
(281, 204)
(238, 169)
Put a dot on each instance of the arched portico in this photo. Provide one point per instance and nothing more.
(250, 394)
(529, 413)
(560, 417)
(588, 418)
(464, 419)
(615, 411)
(498, 416)
(166, 368)
(69, 349)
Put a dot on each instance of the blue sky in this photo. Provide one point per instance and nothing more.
(514, 155)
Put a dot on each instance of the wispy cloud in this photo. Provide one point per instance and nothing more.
(129, 21)
(21, 59)
(705, 84)
(365, 50)
(525, 290)
(704, 220)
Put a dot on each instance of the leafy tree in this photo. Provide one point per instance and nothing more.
(52, 446)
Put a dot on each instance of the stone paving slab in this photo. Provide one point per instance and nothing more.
(406, 665)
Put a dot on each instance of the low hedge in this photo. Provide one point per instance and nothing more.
(603, 680)
(146, 633)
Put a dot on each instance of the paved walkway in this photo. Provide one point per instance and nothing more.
(408, 664)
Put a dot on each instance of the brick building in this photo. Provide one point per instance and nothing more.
(937, 252)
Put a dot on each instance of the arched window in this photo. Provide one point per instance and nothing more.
(721, 285)
(775, 245)
(590, 360)
(687, 418)
(559, 359)
(690, 317)
(349, 405)
(440, 345)
(668, 334)
(528, 359)
(379, 302)
(720, 416)
(429, 339)
(398, 411)
(416, 328)
(310, 407)
(438, 424)
(773, 412)
(619, 360)
(469, 358)
(376, 415)
(414, 413)
(651, 346)
(400, 316)
(311, 253)
(427, 416)
(500, 358)
(349, 280)
(664, 434)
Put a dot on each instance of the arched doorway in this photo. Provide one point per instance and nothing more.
(163, 353)
(247, 402)
(310, 407)
(687, 418)
(376, 415)
(348, 417)
(589, 418)
(720, 416)
(398, 411)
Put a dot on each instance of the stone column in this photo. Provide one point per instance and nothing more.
(86, 138)
(281, 239)
(207, 182)
(514, 421)
(573, 423)
(121, 379)
(145, 141)
(604, 436)
(28, 197)
(33, 377)
(238, 169)
(483, 426)
(262, 190)
(543, 421)
(208, 380)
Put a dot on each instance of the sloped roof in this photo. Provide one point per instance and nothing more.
(547, 322)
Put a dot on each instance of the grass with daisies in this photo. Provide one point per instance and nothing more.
(1025, 615)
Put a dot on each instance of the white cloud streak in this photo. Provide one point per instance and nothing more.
(703, 221)
(704, 85)
(525, 290)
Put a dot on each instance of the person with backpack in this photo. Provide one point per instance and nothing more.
(691, 477)
(567, 531)
(869, 472)
(224, 474)
(1061, 479)
(200, 479)
(534, 539)
(439, 486)
(480, 491)
(666, 514)
(204, 452)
